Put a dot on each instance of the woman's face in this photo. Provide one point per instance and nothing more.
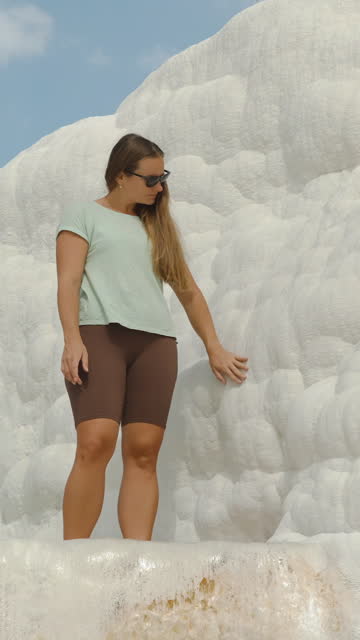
(136, 188)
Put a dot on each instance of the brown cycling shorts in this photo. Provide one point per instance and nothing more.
(131, 378)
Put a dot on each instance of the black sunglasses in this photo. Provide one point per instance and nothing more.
(151, 181)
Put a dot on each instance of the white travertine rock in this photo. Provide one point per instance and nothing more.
(259, 505)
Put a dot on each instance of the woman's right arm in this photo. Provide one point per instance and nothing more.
(71, 252)
(68, 307)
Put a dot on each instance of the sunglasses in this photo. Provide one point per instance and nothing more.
(151, 181)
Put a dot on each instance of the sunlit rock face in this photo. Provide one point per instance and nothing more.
(129, 589)
(260, 128)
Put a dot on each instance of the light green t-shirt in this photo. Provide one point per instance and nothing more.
(118, 284)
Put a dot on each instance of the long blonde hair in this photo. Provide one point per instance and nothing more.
(167, 253)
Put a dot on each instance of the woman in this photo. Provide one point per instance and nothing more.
(120, 353)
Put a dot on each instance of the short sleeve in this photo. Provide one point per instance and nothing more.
(73, 219)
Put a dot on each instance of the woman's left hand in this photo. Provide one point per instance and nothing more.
(223, 362)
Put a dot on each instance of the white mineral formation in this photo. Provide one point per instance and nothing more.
(257, 532)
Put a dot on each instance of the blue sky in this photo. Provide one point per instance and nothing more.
(61, 61)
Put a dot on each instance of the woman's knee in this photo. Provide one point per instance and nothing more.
(96, 439)
(141, 443)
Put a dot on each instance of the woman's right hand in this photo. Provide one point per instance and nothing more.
(74, 353)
